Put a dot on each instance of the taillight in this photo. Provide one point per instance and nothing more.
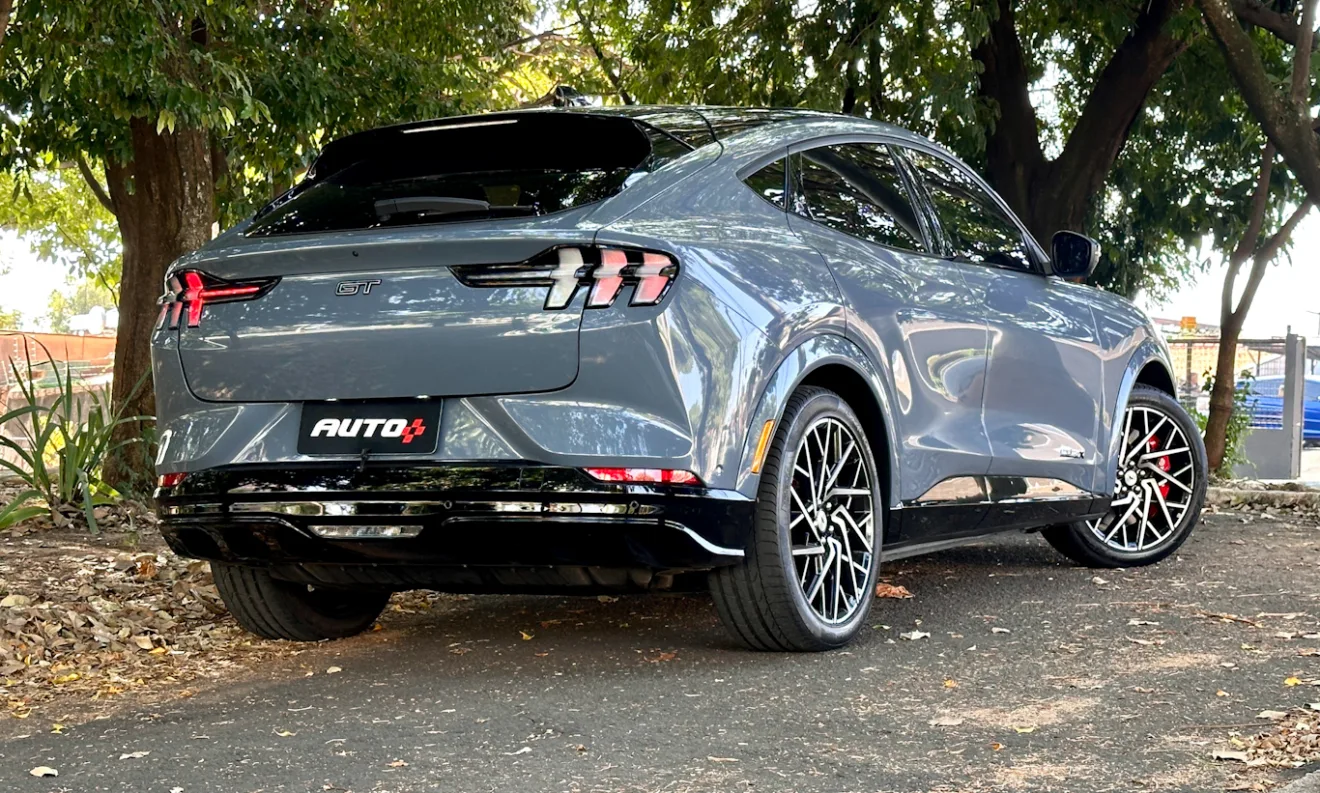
(170, 480)
(192, 291)
(604, 271)
(663, 476)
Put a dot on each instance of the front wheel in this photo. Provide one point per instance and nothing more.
(808, 578)
(1162, 478)
(275, 609)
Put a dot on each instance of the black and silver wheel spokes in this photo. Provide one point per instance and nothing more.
(1156, 483)
(831, 525)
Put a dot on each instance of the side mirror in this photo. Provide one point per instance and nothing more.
(1075, 255)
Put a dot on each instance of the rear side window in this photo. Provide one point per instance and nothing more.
(517, 165)
(976, 228)
(769, 183)
(856, 188)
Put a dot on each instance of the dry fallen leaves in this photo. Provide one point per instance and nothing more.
(897, 592)
(912, 636)
(1292, 741)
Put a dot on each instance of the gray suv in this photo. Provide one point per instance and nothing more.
(649, 349)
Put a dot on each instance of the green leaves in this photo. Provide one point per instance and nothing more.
(60, 443)
(267, 78)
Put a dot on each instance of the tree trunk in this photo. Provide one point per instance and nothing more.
(1223, 389)
(6, 8)
(164, 203)
(1055, 195)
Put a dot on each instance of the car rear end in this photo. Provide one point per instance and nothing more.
(426, 367)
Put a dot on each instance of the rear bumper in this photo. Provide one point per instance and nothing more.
(460, 522)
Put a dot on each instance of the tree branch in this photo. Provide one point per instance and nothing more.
(1259, 203)
(1280, 238)
(594, 44)
(1286, 124)
(92, 182)
(1301, 76)
(1283, 26)
(1120, 92)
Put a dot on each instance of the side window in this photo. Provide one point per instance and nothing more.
(856, 188)
(769, 183)
(977, 229)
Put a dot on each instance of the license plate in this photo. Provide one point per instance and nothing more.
(373, 427)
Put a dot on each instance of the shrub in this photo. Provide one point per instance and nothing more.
(61, 447)
(1239, 420)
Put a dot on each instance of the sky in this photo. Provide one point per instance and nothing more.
(1288, 292)
(1290, 289)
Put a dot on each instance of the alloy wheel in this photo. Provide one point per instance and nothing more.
(1156, 483)
(832, 521)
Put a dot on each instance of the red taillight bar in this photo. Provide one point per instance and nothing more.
(663, 476)
(197, 289)
(170, 480)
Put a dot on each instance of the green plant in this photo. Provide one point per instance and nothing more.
(1239, 421)
(61, 445)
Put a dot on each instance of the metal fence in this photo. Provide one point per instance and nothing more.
(1195, 360)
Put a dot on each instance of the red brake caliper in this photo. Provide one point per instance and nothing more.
(1163, 464)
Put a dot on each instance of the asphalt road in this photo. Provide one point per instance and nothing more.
(1039, 676)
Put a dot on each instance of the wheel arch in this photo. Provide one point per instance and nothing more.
(1155, 373)
(1147, 366)
(828, 361)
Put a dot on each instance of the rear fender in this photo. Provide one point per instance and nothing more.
(816, 352)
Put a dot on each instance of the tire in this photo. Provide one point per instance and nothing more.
(762, 600)
(275, 609)
(1085, 542)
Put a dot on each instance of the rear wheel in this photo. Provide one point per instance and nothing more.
(1162, 476)
(275, 609)
(808, 579)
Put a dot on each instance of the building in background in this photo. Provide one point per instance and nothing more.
(1194, 349)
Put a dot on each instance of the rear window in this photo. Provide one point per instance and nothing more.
(514, 165)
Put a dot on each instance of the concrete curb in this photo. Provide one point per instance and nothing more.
(1235, 497)
(1307, 784)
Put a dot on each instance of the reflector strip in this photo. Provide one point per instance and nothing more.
(664, 476)
(758, 459)
(365, 532)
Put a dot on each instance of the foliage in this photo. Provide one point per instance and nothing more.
(62, 440)
(269, 80)
(85, 295)
(1239, 420)
(10, 320)
(910, 62)
(57, 214)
